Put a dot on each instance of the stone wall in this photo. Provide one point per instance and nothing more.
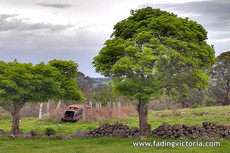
(206, 131)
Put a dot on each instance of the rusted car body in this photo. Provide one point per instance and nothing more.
(73, 113)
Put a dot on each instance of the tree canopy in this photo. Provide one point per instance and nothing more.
(220, 88)
(23, 82)
(154, 52)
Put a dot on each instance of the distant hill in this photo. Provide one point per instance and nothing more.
(101, 80)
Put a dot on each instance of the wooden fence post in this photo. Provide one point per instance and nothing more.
(40, 111)
(119, 106)
(91, 104)
(109, 104)
(84, 112)
(97, 105)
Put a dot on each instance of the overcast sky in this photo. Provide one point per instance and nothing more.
(41, 30)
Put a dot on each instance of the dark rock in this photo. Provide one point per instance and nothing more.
(128, 130)
(115, 124)
(134, 129)
(165, 125)
(125, 127)
(34, 133)
(215, 123)
(227, 132)
(177, 126)
(102, 125)
(136, 135)
(205, 124)
(78, 133)
(169, 132)
(213, 134)
(211, 139)
(25, 136)
(120, 125)
(96, 135)
(195, 135)
(199, 127)
(154, 131)
(130, 136)
(204, 138)
(110, 130)
(119, 133)
(185, 126)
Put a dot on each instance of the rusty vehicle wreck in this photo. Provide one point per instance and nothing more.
(73, 113)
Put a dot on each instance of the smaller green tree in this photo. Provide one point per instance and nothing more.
(220, 74)
(22, 82)
(105, 95)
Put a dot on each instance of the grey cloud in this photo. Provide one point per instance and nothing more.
(56, 5)
(12, 23)
(214, 14)
(36, 42)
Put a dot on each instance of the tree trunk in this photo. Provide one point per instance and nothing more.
(143, 111)
(48, 109)
(228, 100)
(15, 125)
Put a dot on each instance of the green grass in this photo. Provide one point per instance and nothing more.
(98, 145)
(28, 124)
(190, 116)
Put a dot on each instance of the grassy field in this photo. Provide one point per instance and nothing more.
(155, 118)
(99, 145)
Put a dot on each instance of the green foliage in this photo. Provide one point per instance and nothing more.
(105, 95)
(220, 87)
(69, 88)
(194, 106)
(154, 52)
(210, 102)
(22, 82)
(50, 131)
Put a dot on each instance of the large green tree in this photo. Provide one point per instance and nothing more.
(220, 87)
(23, 82)
(154, 52)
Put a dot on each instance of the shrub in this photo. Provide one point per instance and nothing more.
(210, 102)
(194, 106)
(50, 131)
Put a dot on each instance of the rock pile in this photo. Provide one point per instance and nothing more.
(116, 130)
(206, 132)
